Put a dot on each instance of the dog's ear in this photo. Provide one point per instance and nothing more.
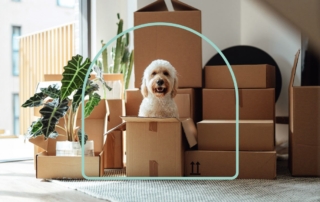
(144, 90)
(175, 87)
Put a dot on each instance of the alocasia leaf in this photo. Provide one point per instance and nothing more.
(80, 137)
(51, 113)
(74, 75)
(35, 129)
(93, 101)
(35, 101)
(52, 91)
(90, 88)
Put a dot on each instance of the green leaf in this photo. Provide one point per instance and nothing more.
(74, 75)
(52, 91)
(80, 137)
(35, 129)
(93, 101)
(91, 87)
(51, 113)
(35, 101)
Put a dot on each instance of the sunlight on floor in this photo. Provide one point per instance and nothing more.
(15, 149)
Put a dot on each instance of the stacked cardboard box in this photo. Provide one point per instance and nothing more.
(217, 132)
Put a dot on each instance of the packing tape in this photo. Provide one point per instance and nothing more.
(153, 126)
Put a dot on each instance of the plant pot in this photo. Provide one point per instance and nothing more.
(67, 148)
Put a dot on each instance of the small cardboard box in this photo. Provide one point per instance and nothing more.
(49, 166)
(255, 104)
(220, 135)
(181, 48)
(304, 128)
(248, 76)
(252, 164)
(155, 146)
(188, 101)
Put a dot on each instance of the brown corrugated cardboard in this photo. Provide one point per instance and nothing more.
(155, 146)
(195, 102)
(248, 76)
(49, 167)
(220, 135)
(116, 109)
(133, 101)
(169, 43)
(304, 128)
(252, 165)
(187, 100)
(254, 104)
(114, 147)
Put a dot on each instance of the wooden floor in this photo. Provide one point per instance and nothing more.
(18, 183)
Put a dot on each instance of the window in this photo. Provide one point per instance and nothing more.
(16, 112)
(16, 32)
(66, 3)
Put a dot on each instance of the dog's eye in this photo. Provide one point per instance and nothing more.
(154, 73)
(166, 73)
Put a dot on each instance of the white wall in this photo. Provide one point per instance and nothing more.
(264, 30)
(32, 16)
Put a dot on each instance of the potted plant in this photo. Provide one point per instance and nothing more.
(63, 102)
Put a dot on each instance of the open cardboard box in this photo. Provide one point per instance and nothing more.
(180, 47)
(50, 166)
(155, 146)
(304, 127)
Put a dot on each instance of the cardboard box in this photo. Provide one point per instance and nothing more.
(220, 135)
(252, 165)
(255, 104)
(248, 76)
(50, 166)
(114, 148)
(116, 109)
(188, 101)
(181, 48)
(304, 128)
(154, 146)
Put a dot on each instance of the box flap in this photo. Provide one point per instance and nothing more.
(148, 119)
(160, 5)
(294, 68)
(120, 127)
(190, 131)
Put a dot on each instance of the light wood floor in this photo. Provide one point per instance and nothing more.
(18, 183)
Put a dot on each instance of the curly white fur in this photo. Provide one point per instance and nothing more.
(159, 87)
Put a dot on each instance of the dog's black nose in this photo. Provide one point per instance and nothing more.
(160, 82)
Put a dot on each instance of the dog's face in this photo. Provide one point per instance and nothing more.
(159, 78)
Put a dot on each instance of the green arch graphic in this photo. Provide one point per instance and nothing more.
(163, 178)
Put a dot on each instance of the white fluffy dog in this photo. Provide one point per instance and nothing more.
(159, 87)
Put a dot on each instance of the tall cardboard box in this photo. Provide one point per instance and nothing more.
(220, 135)
(180, 47)
(254, 104)
(304, 128)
